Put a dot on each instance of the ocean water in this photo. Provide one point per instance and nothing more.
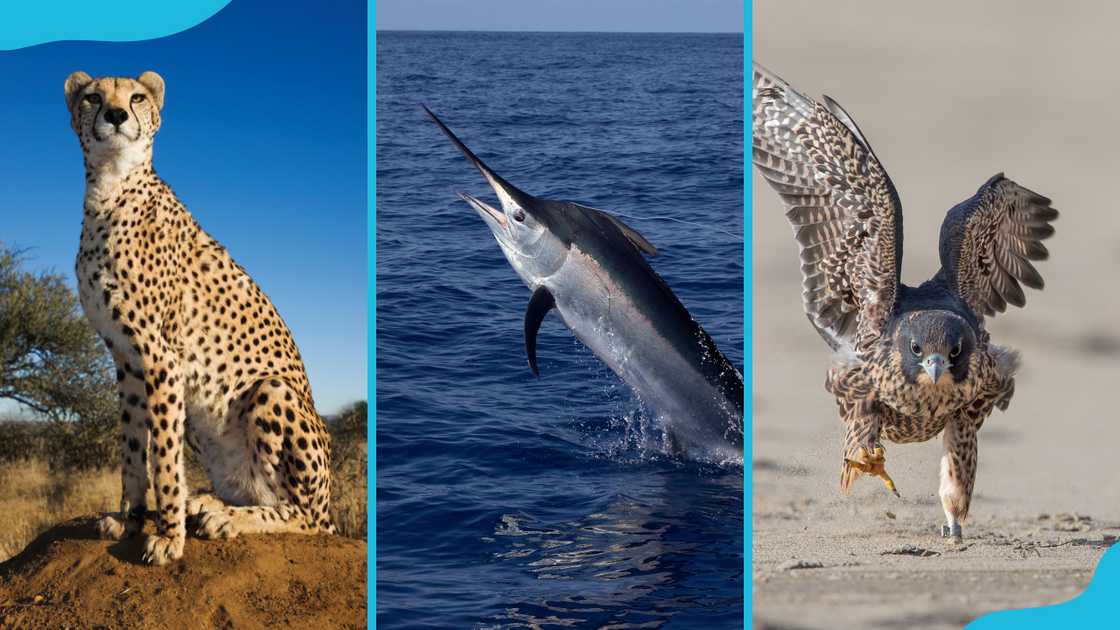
(508, 501)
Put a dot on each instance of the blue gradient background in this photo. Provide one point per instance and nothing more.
(38, 219)
(263, 138)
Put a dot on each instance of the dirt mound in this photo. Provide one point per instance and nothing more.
(68, 578)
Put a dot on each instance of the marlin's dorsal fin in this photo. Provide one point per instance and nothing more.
(634, 237)
(539, 306)
(630, 233)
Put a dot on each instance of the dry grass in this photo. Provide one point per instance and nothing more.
(348, 489)
(33, 498)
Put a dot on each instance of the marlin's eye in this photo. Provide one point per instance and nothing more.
(519, 215)
(955, 352)
(93, 99)
(138, 98)
(915, 348)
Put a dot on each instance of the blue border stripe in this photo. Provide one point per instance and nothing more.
(748, 318)
(371, 222)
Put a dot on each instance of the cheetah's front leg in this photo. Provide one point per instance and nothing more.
(135, 439)
(166, 419)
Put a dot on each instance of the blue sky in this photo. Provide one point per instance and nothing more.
(692, 16)
(263, 138)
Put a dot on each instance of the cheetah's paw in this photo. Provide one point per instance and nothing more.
(215, 525)
(201, 503)
(160, 550)
(110, 527)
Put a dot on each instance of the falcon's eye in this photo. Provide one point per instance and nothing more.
(138, 98)
(915, 348)
(955, 352)
(93, 99)
(519, 215)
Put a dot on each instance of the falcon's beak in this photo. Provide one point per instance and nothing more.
(935, 365)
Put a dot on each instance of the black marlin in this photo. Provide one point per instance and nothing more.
(589, 267)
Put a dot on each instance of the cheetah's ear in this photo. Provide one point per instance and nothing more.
(154, 83)
(75, 83)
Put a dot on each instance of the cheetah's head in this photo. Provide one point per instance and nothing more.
(115, 118)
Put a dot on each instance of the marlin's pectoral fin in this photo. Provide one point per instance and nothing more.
(539, 305)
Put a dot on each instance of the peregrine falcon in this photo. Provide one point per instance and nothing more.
(910, 362)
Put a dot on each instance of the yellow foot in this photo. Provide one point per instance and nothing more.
(873, 463)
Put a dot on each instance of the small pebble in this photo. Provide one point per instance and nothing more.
(794, 565)
(910, 550)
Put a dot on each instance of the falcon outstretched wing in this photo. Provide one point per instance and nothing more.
(988, 242)
(842, 205)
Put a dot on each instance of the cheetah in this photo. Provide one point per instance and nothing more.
(202, 357)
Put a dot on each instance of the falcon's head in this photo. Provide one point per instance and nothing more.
(934, 347)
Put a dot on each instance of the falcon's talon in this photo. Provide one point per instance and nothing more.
(874, 464)
(870, 463)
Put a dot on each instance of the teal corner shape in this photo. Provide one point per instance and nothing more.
(1096, 607)
(30, 23)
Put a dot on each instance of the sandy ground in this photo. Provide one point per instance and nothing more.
(67, 578)
(948, 93)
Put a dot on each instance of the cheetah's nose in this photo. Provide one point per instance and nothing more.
(116, 116)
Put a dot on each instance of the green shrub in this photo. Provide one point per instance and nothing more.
(53, 364)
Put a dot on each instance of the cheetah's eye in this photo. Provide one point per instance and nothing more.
(955, 352)
(93, 99)
(139, 98)
(915, 348)
(519, 215)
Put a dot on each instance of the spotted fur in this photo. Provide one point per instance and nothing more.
(200, 351)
